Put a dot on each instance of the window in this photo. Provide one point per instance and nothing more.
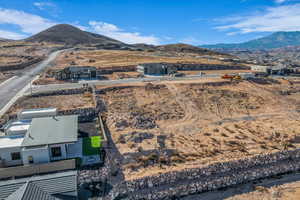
(56, 152)
(16, 156)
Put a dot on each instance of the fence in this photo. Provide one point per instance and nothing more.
(29, 170)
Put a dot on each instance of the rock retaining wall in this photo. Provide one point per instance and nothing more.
(62, 92)
(215, 176)
(187, 67)
(22, 65)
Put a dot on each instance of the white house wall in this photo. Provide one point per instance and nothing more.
(74, 150)
(5, 154)
(40, 155)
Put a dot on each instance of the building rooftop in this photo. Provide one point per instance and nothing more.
(52, 130)
(9, 142)
(30, 191)
(39, 187)
(18, 128)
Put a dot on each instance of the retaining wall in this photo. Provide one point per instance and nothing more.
(62, 92)
(215, 176)
(20, 65)
(29, 170)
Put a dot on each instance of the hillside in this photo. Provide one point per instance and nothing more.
(185, 48)
(70, 35)
(275, 40)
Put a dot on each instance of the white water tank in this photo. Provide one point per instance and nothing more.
(37, 113)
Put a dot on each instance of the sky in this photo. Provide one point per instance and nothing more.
(195, 22)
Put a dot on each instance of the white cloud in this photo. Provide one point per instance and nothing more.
(280, 18)
(111, 30)
(280, 1)
(44, 5)
(29, 23)
(190, 40)
(11, 35)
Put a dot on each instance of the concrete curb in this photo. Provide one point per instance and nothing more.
(8, 80)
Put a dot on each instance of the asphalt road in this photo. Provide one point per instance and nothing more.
(11, 88)
(53, 87)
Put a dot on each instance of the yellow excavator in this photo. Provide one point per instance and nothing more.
(231, 77)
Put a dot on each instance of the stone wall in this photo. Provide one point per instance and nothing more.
(22, 65)
(84, 114)
(187, 67)
(215, 176)
(62, 92)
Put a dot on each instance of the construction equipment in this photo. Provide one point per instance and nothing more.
(231, 77)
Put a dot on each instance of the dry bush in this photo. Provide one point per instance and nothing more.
(224, 135)
(207, 134)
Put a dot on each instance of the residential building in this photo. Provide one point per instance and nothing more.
(157, 69)
(76, 73)
(38, 136)
(260, 68)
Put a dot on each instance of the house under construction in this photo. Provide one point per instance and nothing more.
(158, 69)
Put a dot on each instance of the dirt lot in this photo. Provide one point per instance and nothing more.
(116, 58)
(288, 191)
(19, 52)
(61, 102)
(172, 126)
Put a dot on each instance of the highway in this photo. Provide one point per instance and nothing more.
(10, 90)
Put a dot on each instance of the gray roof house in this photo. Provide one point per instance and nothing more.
(47, 187)
(40, 140)
(156, 69)
(55, 130)
(76, 72)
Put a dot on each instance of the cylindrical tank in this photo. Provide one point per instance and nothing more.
(37, 113)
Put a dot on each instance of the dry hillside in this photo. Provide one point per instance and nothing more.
(172, 126)
(116, 58)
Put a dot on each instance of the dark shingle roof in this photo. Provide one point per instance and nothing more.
(52, 184)
(30, 191)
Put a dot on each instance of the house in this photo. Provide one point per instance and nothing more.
(76, 73)
(280, 69)
(260, 68)
(39, 136)
(46, 187)
(156, 69)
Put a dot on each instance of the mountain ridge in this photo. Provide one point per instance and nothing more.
(70, 35)
(276, 40)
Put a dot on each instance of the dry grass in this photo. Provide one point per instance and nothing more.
(61, 102)
(115, 58)
(287, 191)
(201, 123)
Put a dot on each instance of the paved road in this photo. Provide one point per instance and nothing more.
(11, 88)
(53, 87)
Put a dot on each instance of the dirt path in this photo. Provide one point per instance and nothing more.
(190, 122)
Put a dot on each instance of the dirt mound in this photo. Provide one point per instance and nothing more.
(70, 35)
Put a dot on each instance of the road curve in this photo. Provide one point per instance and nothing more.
(10, 89)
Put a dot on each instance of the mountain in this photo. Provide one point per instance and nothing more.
(70, 35)
(4, 40)
(275, 40)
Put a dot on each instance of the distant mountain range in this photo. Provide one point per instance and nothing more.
(69, 35)
(275, 40)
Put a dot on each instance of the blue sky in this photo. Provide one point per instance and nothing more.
(154, 21)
